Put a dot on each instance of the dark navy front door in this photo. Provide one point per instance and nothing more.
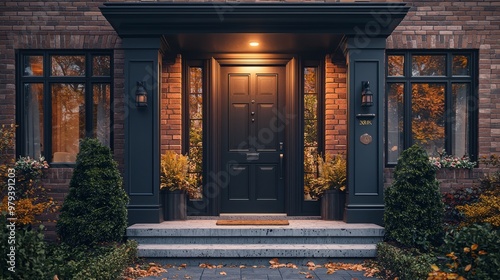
(252, 138)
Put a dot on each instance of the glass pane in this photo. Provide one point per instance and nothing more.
(196, 130)
(68, 65)
(310, 106)
(310, 133)
(101, 115)
(101, 65)
(428, 119)
(395, 111)
(33, 65)
(428, 65)
(195, 80)
(395, 65)
(460, 123)
(197, 180)
(33, 120)
(461, 65)
(195, 158)
(310, 80)
(310, 172)
(195, 106)
(196, 133)
(68, 120)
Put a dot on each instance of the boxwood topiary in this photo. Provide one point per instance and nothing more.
(413, 207)
(94, 212)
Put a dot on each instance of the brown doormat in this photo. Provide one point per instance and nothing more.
(252, 223)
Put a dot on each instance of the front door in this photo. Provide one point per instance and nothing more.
(252, 130)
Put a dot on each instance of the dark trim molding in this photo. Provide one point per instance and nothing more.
(358, 19)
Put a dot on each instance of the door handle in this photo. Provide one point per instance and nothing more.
(281, 159)
(281, 166)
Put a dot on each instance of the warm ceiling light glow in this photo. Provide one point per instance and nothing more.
(254, 44)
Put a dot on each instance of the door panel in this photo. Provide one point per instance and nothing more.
(252, 97)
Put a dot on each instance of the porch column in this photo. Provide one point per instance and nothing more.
(365, 62)
(142, 129)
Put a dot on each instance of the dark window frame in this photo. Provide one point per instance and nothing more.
(407, 80)
(186, 122)
(47, 80)
(312, 206)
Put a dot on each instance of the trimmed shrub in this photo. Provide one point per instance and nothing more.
(94, 212)
(473, 252)
(413, 207)
(405, 264)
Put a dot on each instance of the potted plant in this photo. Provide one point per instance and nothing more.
(331, 186)
(174, 185)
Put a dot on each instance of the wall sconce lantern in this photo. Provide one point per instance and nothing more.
(141, 96)
(366, 95)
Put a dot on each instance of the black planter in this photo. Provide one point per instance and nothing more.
(174, 205)
(332, 205)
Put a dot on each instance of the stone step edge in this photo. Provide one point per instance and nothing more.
(257, 250)
(253, 232)
(151, 240)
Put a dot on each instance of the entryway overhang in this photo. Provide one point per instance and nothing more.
(226, 27)
(356, 30)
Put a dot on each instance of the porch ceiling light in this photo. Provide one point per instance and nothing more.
(141, 96)
(366, 95)
(254, 44)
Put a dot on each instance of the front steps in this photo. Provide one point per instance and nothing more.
(196, 241)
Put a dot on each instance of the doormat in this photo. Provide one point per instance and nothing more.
(252, 223)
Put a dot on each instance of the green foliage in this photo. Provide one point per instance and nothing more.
(414, 211)
(30, 252)
(100, 263)
(473, 252)
(406, 264)
(94, 211)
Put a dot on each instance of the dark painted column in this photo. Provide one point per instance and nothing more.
(365, 201)
(142, 129)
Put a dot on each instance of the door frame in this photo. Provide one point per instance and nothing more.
(215, 175)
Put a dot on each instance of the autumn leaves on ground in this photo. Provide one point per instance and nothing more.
(153, 269)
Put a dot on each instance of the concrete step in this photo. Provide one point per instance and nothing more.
(195, 240)
(257, 250)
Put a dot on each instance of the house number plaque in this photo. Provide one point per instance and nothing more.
(365, 138)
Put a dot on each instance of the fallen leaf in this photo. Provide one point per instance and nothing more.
(274, 261)
(468, 267)
(183, 265)
(242, 266)
(222, 273)
(474, 247)
(310, 264)
(309, 276)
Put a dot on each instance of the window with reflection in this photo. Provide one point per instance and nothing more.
(311, 132)
(195, 94)
(431, 102)
(65, 97)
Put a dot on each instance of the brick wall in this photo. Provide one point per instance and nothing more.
(57, 25)
(460, 25)
(171, 106)
(335, 107)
